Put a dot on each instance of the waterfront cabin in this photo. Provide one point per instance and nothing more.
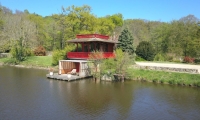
(80, 66)
(85, 44)
(89, 43)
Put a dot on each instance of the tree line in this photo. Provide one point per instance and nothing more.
(53, 31)
(170, 40)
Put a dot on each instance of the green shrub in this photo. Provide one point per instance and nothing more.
(198, 84)
(155, 80)
(169, 58)
(138, 58)
(162, 81)
(108, 65)
(18, 51)
(145, 50)
(197, 61)
(172, 81)
(61, 54)
(10, 61)
(180, 82)
(119, 65)
(186, 82)
(29, 52)
(109, 73)
(176, 61)
(58, 55)
(122, 61)
(159, 57)
(130, 73)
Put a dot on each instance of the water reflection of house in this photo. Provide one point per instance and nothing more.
(85, 44)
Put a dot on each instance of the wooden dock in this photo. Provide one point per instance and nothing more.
(65, 77)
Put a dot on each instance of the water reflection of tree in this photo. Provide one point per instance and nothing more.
(98, 98)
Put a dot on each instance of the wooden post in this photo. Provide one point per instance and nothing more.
(82, 44)
(60, 67)
(88, 47)
(76, 47)
(94, 46)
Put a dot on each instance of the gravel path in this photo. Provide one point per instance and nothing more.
(171, 65)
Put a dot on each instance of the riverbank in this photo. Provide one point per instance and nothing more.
(37, 62)
(163, 77)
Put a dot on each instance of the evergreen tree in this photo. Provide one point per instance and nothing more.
(126, 41)
(145, 50)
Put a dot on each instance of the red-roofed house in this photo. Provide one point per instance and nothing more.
(86, 44)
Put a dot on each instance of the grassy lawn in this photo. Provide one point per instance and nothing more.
(41, 61)
(3, 60)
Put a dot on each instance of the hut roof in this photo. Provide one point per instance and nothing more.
(91, 40)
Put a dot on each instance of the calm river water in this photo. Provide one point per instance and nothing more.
(27, 94)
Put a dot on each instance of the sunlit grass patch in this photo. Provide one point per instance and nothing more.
(42, 61)
(38, 61)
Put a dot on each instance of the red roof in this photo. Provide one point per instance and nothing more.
(92, 36)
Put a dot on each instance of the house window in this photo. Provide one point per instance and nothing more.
(97, 47)
(106, 47)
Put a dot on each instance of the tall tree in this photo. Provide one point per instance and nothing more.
(17, 26)
(51, 29)
(75, 20)
(140, 29)
(145, 50)
(125, 41)
(189, 40)
(105, 26)
(40, 28)
(80, 20)
(159, 38)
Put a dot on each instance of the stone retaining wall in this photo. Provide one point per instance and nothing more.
(3, 55)
(183, 70)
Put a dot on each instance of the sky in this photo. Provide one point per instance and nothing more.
(153, 10)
